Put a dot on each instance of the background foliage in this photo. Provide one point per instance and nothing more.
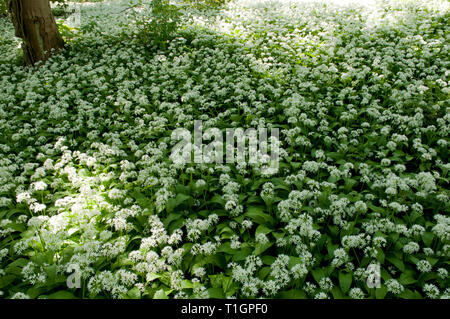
(361, 99)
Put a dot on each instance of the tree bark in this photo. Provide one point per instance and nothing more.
(34, 23)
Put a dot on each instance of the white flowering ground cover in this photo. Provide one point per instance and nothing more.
(359, 91)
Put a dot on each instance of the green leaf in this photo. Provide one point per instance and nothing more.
(134, 293)
(375, 208)
(51, 272)
(186, 284)
(6, 280)
(292, 294)
(397, 263)
(381, 292)
(257, 215)
(160, 294)
(264, 272)
(225, 232)
(268, 260)
(432, 260)
(12, 212)
(406, 279)
(215, 293)
(63, 294)
(176, 224)
(345, 281)
(260, 248)
(242, 254)
(17, 227)
(35, 291)
(380, 255)
(261, 229)
(170, 218)
(226, 248)
(21, 262)
(172, 203)
(217, 200)
(408, 294)
(227, 284)
(318, 274)
(427, 238)
(337, 293)
(141, 199)
(279, 183)
(152, 276)
(334, 230)
(349, 183)
(16, 266)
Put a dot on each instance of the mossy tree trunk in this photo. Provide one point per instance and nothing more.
(34, 23)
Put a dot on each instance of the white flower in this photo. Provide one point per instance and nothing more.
(116, 193)
(20, 295)
(431, 291)
(200, 183)
(356, 293)
(23, 197)
(37, 207)
(411, 248)
(423, 266)
(394, 286)
(40, 186)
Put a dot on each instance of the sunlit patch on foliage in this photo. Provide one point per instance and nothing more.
(360, 95)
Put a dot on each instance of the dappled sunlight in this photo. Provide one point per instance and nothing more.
(358, 91)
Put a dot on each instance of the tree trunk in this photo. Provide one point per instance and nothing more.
(35, 24)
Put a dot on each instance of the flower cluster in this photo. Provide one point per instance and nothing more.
(358, 92)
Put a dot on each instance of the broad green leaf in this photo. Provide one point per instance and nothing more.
(63, 294)
(171, 217)
(258, 215)
(381, 292)
(337, 293)
(134, 293)
(160, 294)
(268, 260)
(152, 276)
(396, 262)
(6, 280)
(318, 274)
(260, 248)
(345, 281)
(264, 272)
(408, 294)
(262, 229)
(186, 284)
(215, 293)
(406, 279)
(172, 203)
(292, 294)
(427, 238)
(380, 256)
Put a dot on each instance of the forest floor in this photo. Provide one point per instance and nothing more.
(355, 205)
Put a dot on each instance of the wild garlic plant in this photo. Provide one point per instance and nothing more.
(359, 92)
